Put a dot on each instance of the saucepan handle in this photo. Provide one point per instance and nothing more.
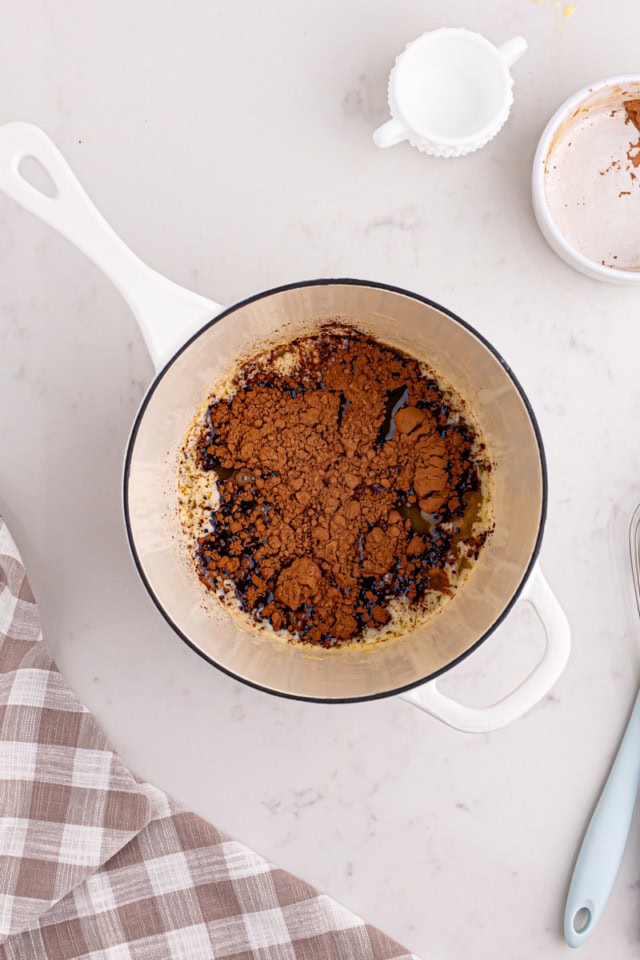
(483, 719)
(167, 313)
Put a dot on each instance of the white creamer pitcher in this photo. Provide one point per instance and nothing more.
(450, 92)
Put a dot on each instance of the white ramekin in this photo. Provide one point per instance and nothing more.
(548, 227)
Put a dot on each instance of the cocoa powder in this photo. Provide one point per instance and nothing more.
(346, 479)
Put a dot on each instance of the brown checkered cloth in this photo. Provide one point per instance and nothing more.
(96, 864)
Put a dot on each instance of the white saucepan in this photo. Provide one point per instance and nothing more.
(195, 343)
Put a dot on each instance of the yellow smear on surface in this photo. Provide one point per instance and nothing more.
(567, 9)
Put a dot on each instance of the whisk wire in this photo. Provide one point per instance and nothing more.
(634, 547)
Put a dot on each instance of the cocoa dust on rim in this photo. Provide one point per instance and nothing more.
(334, 490)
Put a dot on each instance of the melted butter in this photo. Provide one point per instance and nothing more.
(421, 522)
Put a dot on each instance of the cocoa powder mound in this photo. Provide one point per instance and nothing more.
(345, 480)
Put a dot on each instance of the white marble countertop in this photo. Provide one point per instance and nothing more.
(230, 146)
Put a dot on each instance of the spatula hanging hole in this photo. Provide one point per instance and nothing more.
(581, 920)
(35, 174)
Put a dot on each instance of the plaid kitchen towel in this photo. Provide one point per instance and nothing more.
(96, 864)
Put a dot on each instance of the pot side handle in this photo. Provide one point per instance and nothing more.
(167, 313)
(538, 593)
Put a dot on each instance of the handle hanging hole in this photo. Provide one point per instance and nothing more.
(581, 920)
(31, 170)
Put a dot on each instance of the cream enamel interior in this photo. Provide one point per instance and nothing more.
(460, 358)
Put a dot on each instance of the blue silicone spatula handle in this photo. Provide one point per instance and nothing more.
(604, 842)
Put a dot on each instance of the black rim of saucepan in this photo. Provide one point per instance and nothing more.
(335, 282)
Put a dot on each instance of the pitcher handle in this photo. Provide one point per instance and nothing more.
(167, 313)
(530, 691)
(389, 133)
(512, 50)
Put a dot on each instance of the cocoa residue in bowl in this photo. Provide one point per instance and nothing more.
(632, 109)
(347, 479)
